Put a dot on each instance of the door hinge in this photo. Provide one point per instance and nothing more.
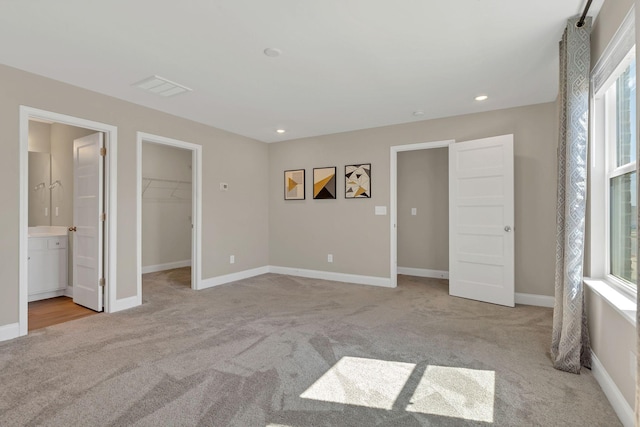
(103, 151)
(101, 282)
(103, 217)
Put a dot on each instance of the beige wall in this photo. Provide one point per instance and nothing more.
(613, 338)
(39, 172)
(233, 222)
(166, 206)
(39, 137)
(62, 137)
(423, 183)
(302, 233)
(606, 24)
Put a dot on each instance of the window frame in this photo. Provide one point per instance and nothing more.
(602, 169)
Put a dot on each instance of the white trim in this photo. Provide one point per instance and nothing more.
(535, 299)
(196, 207)
(619, 301)
(111, 208)
(613, 393)
(619, 45)
(166, 266)
(125, 304)
(10, 331)
(423, 272)
(68, 291)
(233, 277)
(393, 187)
(47, 295)
(336, 277)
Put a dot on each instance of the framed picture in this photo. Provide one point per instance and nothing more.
(324, 183)
(357, 183)
(294, 184)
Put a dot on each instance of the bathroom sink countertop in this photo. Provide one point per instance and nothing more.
(47, 231)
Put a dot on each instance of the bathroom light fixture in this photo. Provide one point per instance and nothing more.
(482, 98)
(280, 131)
(161, 86)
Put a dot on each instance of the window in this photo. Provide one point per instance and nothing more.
(615, 141)
(621, 174)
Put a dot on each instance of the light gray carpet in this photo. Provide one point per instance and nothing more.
(243, 354)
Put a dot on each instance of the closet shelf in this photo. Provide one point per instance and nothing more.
(166, 189)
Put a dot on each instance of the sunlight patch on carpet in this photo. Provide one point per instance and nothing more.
(455, 392)
(362, 382)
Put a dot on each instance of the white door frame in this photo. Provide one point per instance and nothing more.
(111, 179)
(394, 196)
(196, 205)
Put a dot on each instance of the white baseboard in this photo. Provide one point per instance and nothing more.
(166, 266)
(227, 278)
(10, 331)
(68, 291)
(125, 303)
(337, 277)
(423, 272)
(533, 299)
(46, 295)
(617, 400)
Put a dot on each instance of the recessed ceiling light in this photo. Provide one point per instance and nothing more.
(272, 52)
(482, 98)
(161, 86)
(418, 113)
(280, 131)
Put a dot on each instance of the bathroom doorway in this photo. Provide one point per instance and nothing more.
(52, 195)
(66, 223)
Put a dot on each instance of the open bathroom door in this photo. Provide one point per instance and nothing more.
(88, 201)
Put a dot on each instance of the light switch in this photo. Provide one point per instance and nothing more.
(381, 210)
(414, 211)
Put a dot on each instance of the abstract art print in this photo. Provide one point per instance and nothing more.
(294, 184)
(324, 183)
(357, 181)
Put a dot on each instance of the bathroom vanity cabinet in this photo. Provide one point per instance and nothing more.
(48, 275)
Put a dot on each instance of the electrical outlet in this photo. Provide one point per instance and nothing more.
(414, 211)
(330, 258)
(232, 259)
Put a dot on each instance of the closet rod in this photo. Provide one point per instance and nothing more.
(584, 14)
(174, 181)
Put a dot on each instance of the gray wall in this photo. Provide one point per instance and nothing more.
(423, 183)
(302, 233)
(613, 338)
(166, 206)
(234, 222)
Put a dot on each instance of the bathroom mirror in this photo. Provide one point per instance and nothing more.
(39, 191)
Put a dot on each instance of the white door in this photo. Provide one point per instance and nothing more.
(87, 208)
(481, 230)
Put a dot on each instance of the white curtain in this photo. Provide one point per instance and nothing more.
(570, 349)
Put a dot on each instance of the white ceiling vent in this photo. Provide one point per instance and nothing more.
(161, 86)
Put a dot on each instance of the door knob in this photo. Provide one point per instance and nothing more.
(72, 228)
(506, 228)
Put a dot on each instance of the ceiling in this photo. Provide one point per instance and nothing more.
(344, 64)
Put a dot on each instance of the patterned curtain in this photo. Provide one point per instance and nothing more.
(570, 348)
